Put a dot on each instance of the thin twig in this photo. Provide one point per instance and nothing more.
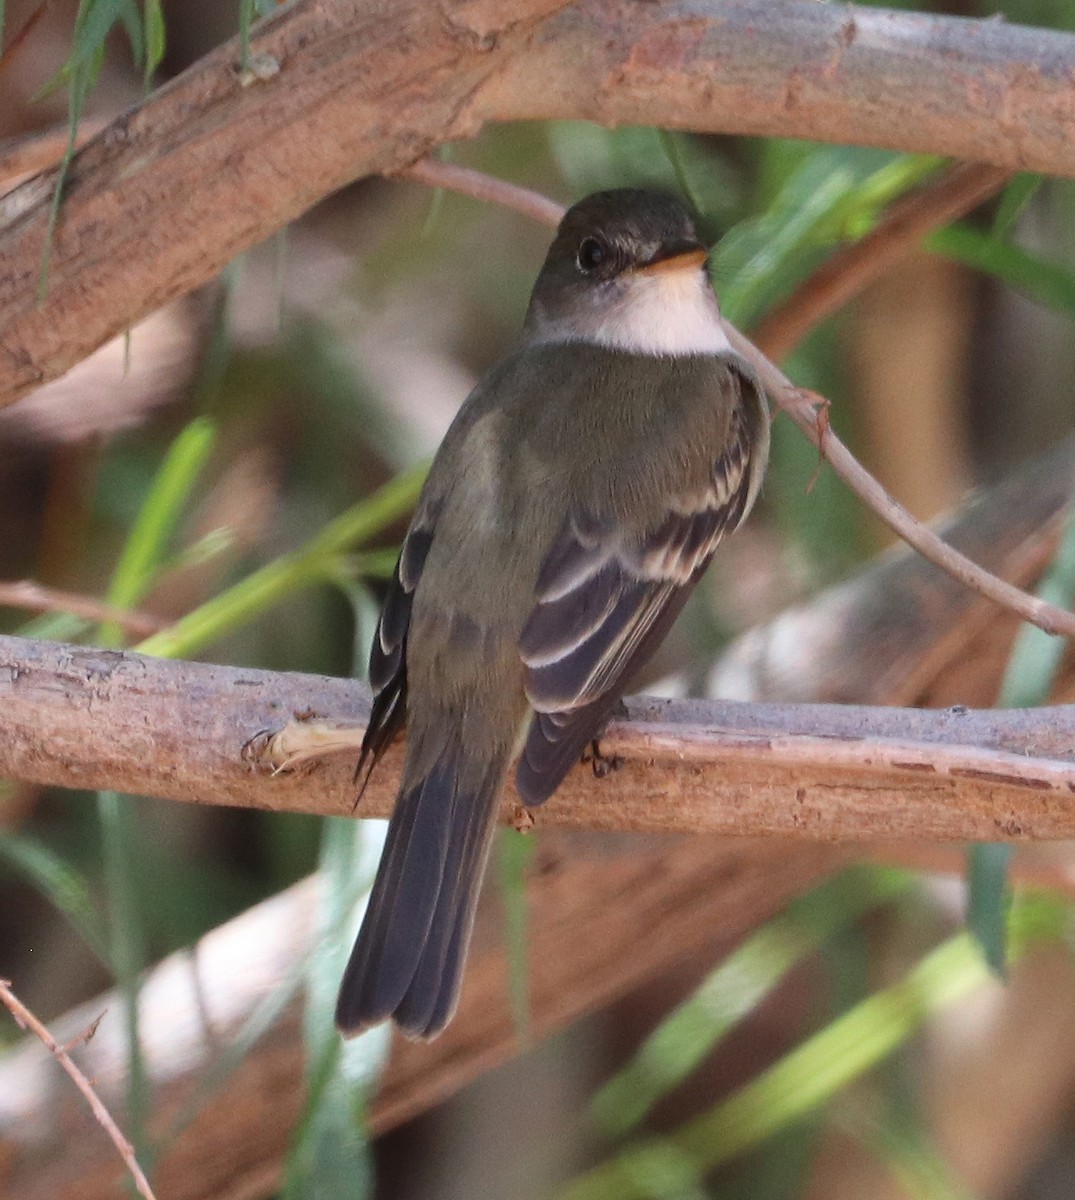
(18, 42)
(961, 188)
(435, 173)
(35, 597)
(25, 1019)
(803, 408)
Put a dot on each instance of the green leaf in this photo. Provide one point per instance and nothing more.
(1043, 281)
(80, 78)
(60, 883)
(156, 521)
(755, 258)
(799, 1083)
(988, 898)
(310, 564)
(142, 551)
(913, 1158)
(95, 21)
(591, 158)
(688, 1035)
(329, 1152)
(1014, 199)
(247, 11)
(835, 194)
(675, 147)
(127, 952)
(515, 853)
(1036, 656)
(155, 38)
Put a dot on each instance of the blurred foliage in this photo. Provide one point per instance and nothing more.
(259, 512)
(1028, 682)
(812, 1073)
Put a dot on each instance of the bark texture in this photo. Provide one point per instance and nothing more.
(221, 158)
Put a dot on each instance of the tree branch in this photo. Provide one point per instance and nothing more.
(178, 731)
(901, 631)
(586, 905)
(432, 172)
(210, 165)
(963, 187)
(807, 410)
(587, 899)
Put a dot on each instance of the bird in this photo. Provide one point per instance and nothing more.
(575, 501)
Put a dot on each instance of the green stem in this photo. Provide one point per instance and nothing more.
(271, 583)
(803, 1080)
(734, 989)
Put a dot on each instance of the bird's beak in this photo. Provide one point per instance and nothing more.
(684, 260)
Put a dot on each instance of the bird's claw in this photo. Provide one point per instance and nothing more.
(601, 764)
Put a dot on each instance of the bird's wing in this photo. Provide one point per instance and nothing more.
(605, 598)
(388, 654)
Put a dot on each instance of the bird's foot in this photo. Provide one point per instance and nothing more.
(601, 764)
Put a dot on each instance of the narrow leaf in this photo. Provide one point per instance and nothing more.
(310, 564)
(60, 883)
(329, 1152)
(988, 897)
(1043, 281)
(1015, 198)
(1028, 682)
(159, 515)
(688, 1035)
(913, 1158)
(672, 144)
(515, 853)
(127, 953)
(799, 1083)
(155, 38)
(247, 11)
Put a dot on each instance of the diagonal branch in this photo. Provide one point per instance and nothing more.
(851, 269)
(962, 188)
(807, 410)
(212, 163)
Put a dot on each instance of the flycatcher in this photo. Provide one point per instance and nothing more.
(574, 503)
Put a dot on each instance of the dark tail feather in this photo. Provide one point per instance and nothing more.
(408, 960)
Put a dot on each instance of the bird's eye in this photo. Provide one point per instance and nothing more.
(592, 253)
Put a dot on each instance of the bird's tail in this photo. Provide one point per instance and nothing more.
(408, 960)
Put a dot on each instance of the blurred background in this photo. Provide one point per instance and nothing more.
(231, 427)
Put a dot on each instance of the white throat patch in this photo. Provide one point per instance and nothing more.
(672, 312)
